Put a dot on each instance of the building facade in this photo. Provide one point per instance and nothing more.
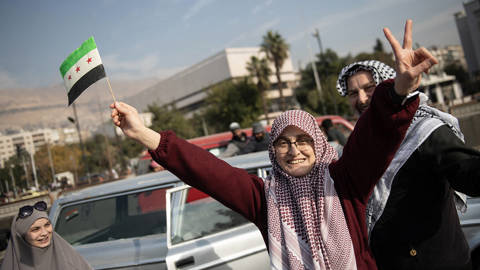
(187, 89)
(31, 141)
(443, 90)
(452, 54)
(468, 26)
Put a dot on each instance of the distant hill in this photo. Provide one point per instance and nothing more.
(30, 108)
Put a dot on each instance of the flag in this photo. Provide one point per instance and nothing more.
(81, 69)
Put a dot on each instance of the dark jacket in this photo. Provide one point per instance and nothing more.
(261, 145)
(419, 228)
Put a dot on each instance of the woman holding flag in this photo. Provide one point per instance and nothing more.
(311, 209)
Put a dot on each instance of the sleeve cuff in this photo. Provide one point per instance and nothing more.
(401, 100)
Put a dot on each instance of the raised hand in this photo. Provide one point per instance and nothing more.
(409, 63)
(126, 117)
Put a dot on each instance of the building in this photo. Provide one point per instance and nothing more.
(31, 141)
(468, 26)
(442, 89)
(187, 89)
(448, 55)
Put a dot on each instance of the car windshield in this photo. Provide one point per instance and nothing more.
(113, 218)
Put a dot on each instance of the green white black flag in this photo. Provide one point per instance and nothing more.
(81, 69)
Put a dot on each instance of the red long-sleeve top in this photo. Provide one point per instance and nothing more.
(367, 154)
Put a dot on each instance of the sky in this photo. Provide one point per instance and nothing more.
(156, 38)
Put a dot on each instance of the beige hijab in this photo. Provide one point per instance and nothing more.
(20, 255)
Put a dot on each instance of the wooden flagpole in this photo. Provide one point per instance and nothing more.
(111, 92)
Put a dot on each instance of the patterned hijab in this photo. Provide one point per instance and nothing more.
(380, 72)
(306, 224)
(20, 255)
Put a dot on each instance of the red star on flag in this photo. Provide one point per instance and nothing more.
(69, 77)
(89, 60)
(77, 69)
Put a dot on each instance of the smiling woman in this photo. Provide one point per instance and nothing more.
(34, 244)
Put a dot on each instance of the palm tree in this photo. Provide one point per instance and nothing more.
(260, 69)
(276, 50)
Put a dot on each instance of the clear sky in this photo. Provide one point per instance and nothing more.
(155, 38)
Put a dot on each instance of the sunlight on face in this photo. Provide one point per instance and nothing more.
(295, 162)
(40, 233)
(360, 90)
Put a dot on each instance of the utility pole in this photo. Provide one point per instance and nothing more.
(34, 169)
(54, 181)
(14, 188)
(27, 175)
(317, 79)
(77, 125)
(319, 41)
(107, 142)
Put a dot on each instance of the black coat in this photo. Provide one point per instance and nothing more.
(419, 228)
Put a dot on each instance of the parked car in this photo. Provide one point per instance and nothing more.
(154, 221)
(217, 143)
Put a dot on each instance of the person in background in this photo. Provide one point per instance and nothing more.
(311, 209)
(411, 215)
(34, 244)
(260, 138)
(333, 134)
(238, 145)
(335, 138)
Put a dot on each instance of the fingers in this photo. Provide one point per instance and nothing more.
(422, 52)
(407, 36)
(124, 108)
(393, 42)
(424, 66)
(116, 120)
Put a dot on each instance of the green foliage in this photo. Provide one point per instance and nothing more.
(378, 48)
(100, 153)
(469, 86)
(377, 54)
(329, 65)
(18, 173)
(165, 118)
(276, 49)
(130, 148)
(259, 69)
(232, 102)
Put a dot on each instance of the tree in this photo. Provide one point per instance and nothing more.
(99, 151)
(328, 66)
(169, 117)
(378, 54)
(259, 68)
(232, 102)
(276, 50)
(469, 86)
(378, 48)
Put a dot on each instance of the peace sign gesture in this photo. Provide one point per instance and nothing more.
(409, 63)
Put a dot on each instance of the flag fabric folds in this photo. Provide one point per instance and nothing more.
(82, 68)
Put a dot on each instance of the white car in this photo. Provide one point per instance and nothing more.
(154, 221)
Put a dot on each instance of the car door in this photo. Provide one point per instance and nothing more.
(202, 233)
